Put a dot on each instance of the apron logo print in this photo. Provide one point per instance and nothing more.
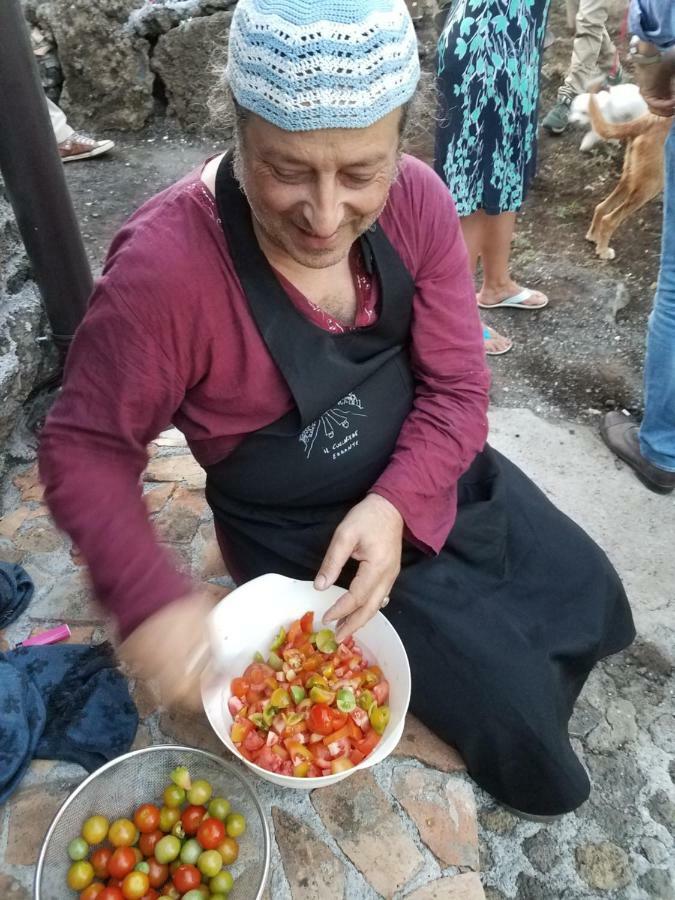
(330, 428)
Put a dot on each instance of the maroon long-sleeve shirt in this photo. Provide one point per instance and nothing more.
(169, 337)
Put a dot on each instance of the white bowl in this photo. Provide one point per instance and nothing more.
(248, 619)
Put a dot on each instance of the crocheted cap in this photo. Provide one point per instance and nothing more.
(310, 64)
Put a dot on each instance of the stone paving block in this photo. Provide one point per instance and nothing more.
(156, 497)
(145, 698)
(604, 866)
(311, 868)
(444, 810)
(172, 437)
(143, 738)
(70, 600)
(422, 744)
(10, 889)
(40, 536)
(369, 831)
(456, 887)
(191, 729)
(9, 552)
(176, 468)
(29, 485)
(180, 517)
(30, 813)
(209, 562)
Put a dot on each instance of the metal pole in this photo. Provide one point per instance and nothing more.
(33, 174)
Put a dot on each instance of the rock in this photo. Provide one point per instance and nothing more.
(156, 496)
(604, 866)
(184, 58)
(497, 820)
(308, 863)
(455, 887)
(179, 519)
(30, 813)
(619, 729)
(9, 552)
(654, 850)
(145, 698)
(157, 16)
(584, 719)
(209, 562)
(39, 537)
(368, 830)
(542, 849)
(662, 809)
(191, 729)
(422, 744)
(106, 70)
(658, 883)
(662, 731)
(10, 889)
(29, 485)
(444, 810)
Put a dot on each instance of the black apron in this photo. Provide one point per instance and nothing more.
(504, 625)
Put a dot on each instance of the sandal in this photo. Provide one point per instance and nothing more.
(517, 301)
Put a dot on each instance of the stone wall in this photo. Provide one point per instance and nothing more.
(24, 359)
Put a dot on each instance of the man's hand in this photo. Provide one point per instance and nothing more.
(372, 534)
(656, 80)
(171, 648)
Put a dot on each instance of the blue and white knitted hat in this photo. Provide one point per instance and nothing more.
(310, 64)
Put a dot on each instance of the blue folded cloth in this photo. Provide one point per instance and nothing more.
(66, 701)
(16, 591)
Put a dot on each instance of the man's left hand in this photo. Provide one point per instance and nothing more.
(372, 534)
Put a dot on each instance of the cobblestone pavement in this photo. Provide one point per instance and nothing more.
(416, 826)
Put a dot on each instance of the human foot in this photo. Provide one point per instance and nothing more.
(495, 344)
(511, 295)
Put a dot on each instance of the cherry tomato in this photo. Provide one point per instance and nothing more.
(320, 719)
(110, 892)
(192, 818)
(221, 883)
(210, 833)
(122, 862)
(210, 863)
(122, 833)
(257, 673)
(80, 875)
(235, 825)
(219, 807)
(229, 850)
(95, 829)
(167, 849)
(168, 818)
(174, 796)
(151, 895)
(147, 842)
(92, 891)
(78, 849)
(187, 878)
(200, 792)
(157, 872)
(99, 860)
(146, 818)
(135, 885)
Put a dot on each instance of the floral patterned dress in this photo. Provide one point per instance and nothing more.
(489, 57)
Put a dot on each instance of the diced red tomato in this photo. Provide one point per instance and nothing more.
(294, 633)
(256, 673)
(341, 747)
(240, 687)
(307, 622)
(253, 741)
(360, 718)
(268, 760)
(369, 742)
(240, 729)
(313, 771)
(381, 692)
(235, 705)
(286, 768)
(356, 756)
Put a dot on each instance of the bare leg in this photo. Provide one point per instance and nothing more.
(495, 252)
(472, 229)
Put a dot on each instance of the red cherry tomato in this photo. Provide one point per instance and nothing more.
(110, 893)
(158, 873)
(192, 818)
(151, 895)
(148, 841)
(99, 860)
(210, 833)
(146, 818)
(187, 878)
(122, 862)
(135, 885)
(91, 892)
(321, 719)
(257, 673)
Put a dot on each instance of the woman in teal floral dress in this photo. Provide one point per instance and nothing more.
(486, 141)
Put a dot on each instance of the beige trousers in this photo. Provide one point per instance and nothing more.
(62, 130)
(593, 49)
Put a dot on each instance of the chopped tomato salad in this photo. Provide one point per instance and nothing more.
(314, 707)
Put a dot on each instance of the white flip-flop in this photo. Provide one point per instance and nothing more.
(517, 301)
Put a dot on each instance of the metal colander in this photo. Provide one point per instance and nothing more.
(118, 788)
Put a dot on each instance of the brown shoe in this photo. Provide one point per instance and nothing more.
(620, 432)
(79, 146)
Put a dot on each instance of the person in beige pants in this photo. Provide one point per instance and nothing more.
(73, 145)
(593, 51)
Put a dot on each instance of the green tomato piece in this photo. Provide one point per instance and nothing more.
(316, 681)
(181, 777)
(346, 701)
(325, 641)
(210, 862)
(258, 657)
(279, 639)
(258, 721)
(78, 849)
(294, 719)
(379, 718)
(190, 852)
(219, 808)
(297, 693)
(200, 793)
(174, 796)
(178, 830)
(321, 695)
(366, 700)
(235, 825)
(268, 714)
(167, 849)
(222, 883)
(280, 698)
(275, 661)
(142, 867)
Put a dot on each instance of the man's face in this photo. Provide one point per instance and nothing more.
(314, 192)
